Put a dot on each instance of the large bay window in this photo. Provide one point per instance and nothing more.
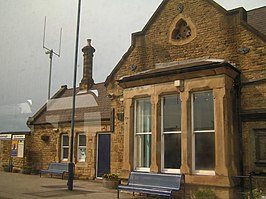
(171, 133)
(203, 133)
(64, 147)
(81, 147)
(142, 129)
(184, 122)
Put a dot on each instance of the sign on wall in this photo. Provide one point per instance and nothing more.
(14, 148)
(17, 144)
(20, 152)
(18, 137)
(5, 136)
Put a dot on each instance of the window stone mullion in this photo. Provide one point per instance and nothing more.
(155, 134)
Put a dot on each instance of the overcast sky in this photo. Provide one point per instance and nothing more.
(25, 66)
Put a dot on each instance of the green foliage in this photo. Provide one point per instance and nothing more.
(203, 194)
(35, 171)
(27, 167)
(257, 194)
(7, 168)
(110, 176)
(26, 170)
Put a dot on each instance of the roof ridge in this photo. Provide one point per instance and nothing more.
(262, 7)
(43, 108)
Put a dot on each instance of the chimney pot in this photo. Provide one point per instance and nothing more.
(89, 42)
(87, 80)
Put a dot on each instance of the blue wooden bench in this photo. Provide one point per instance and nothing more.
(55, 168)
(153, 183)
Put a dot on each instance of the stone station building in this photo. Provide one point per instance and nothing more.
(51, 126)
(189, 96)
(191, 90)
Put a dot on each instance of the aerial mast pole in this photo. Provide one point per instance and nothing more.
(50, 52)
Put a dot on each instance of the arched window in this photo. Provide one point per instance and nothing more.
(182, 31)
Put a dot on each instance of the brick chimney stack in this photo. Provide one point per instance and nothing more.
(87, 80)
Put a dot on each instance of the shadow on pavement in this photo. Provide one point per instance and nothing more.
(59, 193)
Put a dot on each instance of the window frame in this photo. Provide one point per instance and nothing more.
(194, 132)
(259, 135)
(81, 147)
(137, 168)
(163, 169)
(64, 147)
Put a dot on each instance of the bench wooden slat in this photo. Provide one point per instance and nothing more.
(147, 190)
(56, 168)
(152, 183)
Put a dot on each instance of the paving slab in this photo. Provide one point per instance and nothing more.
(21, 186)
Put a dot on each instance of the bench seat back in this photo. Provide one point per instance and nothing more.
(58, 166)
(155, 180)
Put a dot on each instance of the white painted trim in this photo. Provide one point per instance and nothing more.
(145, 133)
(194, 171)
(203, 131)
(135, 155)
(144, 169)
(78, 158)
(61, 146)
(170, 170)
(204, 172)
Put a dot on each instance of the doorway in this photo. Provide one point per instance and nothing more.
(103, 153)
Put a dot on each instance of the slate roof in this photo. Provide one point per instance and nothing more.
(92, 105)
(257, 19)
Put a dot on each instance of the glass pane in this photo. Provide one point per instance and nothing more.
(171, 113)
(65, 153)
(82, 140)
(260, 144)
(204, 151)
(203, 111)
(172, 151)
(82, 153)
(143, 115)
(143, 150)
(65, 140)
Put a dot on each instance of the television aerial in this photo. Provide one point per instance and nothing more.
(50, 52)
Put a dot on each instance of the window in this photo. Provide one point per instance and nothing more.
(182, 30)
(142, 128)
(171, 133)
(203, 133)
(81, 147)
(64, 147)
(260, 146)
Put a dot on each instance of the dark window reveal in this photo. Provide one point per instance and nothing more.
(260, 145)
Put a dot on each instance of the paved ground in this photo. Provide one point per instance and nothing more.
(21, 186)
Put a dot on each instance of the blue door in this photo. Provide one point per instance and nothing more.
(103, 164)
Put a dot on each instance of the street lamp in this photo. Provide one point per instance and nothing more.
(71, 164)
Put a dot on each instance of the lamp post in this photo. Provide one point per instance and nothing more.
(71, 164)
